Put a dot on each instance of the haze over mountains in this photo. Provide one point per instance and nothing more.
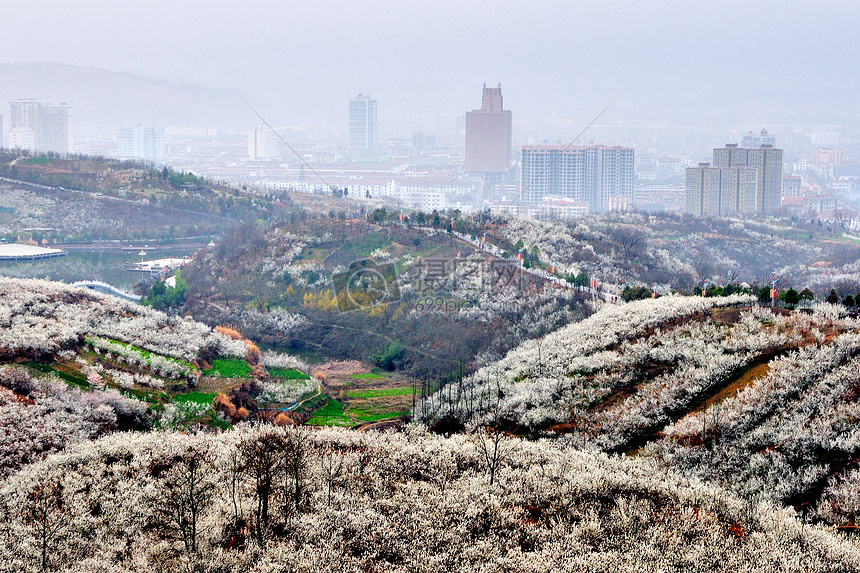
(104, 99)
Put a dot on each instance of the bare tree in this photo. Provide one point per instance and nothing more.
(45, 513)
(294, 463)
(333, 468)
(632, 241)
(495, 447)
(262, 457)
(185, 485)
(233, 471)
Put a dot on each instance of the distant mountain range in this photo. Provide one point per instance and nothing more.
(103, 99)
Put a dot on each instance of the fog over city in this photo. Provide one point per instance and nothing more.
(679, 62)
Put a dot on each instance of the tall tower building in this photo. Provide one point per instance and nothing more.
(23, 123)
(362, 124)
(2, 139)
(262, 143)
(488, 135)
(767, 162)
(591, 174)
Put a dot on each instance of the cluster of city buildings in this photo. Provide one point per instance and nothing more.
(752, 180)
(740, 181)
(484, 169)
(40, 126)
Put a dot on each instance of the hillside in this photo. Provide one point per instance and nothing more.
(122, 446)
(82, 199)
(76, 365)
(679, 252)
(353, 289)
(761, 401)
(275, 499)
(282, 283)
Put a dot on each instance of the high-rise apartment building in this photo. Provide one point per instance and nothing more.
(590, 174)
(720, 192)
(55, 133)
(43, 127)
(753, 141)
(767, 162)
(262, 143)
(2, 139)
(362, 124)
(488, 135)
(141, 142)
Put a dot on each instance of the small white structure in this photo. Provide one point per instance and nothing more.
(19, 252)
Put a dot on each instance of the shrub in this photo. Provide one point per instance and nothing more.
(388, 356)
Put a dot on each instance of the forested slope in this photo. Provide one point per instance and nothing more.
(288, 499)
(761, 401)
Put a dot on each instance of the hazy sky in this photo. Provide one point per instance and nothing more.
(554, 59)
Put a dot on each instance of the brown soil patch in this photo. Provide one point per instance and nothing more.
(746, 379)
(12, 396)
(219, 385)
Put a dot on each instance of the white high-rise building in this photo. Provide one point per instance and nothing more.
(263, 143)
(141, 142)
(56, 131)
(2, 139)
(22, 138)
(362, 124)
(42, 127)
(591, 174)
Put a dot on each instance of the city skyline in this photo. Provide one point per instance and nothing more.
(676, 60)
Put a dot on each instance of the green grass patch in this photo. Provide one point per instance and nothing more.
(78, 381)
(364, 245)
(288, 374)
(36, 161)
(147, 354)
(365, 376)
(229, 368)
(331, 408)
(196, 397)
(379, 393)
(334, 421)
(331, 414)
(375, 417)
